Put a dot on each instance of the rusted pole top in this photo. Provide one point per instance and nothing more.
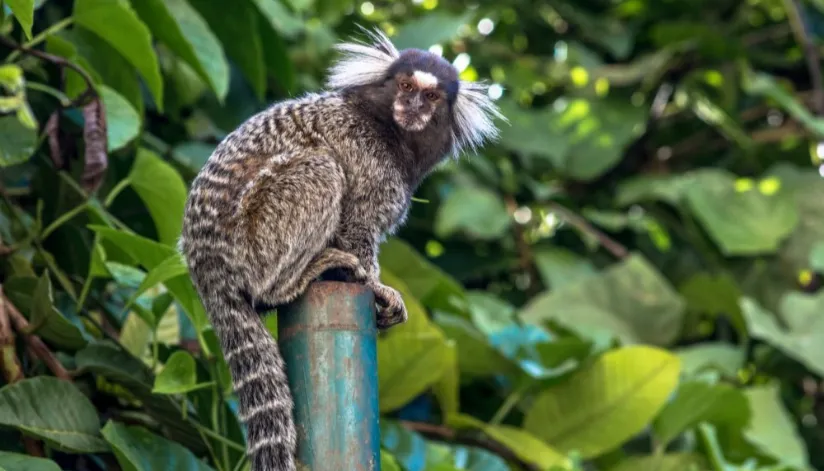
(328, 339)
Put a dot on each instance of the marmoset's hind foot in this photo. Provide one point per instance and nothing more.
(391, 309)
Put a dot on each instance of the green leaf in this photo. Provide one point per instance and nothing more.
(716, 295)
(582, 138)
(239, 33)
(759, 83)
(666, 188)
(725, 358)
(171, 268)
(425, 281)
(150, 254)
(24, 12)
(606, 403)
(696, 402)
(17, 141)
(629, 299)
(162, 190)
(101, 61)
(49, 322)
(447, 389)
(178, 375)
(137, 449)
(117, 23)
(773, 429)
(668, 462)
(524, 444)
(475, 211)
(122, 120)
(476, 356)
(413, 356)
(431, 29)
(388, 462)
(801, 314)
(741, 222)
(52, 410)
(186, 33)
(18, 462)
(558, 266)
(282, 20)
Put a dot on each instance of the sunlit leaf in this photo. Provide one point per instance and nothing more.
(605, 404)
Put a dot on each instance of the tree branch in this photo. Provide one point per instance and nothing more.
(37, 346)
(444, 433)
(61, 62)
(576, 221)
(13, 369)
(810, 53)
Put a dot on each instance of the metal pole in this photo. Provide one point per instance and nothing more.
(328, 339)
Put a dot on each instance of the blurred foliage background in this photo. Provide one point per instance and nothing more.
(627, 280)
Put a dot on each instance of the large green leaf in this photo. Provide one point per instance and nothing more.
(558, 266)
(122, 120)
(696, 402)
(49, 322)
(53, 410)
(425, 281)
(24, 12)
(119, 25)
(727, 359)
(607, 403)
(172, 267)
(240, 35)
(430, 29)
(178, 376)
(162, 190)
(668, 462)
(17, 142)
(773, 429)
(582, 138)
(18, 462)
(186, 33)
(34, 297)
(150, 254)
(412, 356)
(101, 60)
(476, 356)
(800, 339)
(746, 222)
(473, 210)
(281, 19)
(525, 445)
(629, 299)
(137, 449)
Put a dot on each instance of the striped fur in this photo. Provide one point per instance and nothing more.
(305, 187)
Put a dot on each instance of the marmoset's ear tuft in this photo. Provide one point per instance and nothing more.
(362, 63)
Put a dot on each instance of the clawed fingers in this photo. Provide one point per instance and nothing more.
(391, 309)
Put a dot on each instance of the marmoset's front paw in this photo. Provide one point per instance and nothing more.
(391, 309)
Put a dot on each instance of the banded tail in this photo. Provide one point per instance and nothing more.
(258, 372)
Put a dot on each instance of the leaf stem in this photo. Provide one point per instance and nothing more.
(121, 185)
(41, 87)
(510, 402)
(65, 217)
(62, 24)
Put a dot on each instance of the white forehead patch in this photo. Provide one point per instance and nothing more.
(425, 79)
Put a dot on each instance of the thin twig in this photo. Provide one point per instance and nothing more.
(810, 53)
(37, 346)
(576, 221)
(13, 369)
(447, 434)
(61, 62)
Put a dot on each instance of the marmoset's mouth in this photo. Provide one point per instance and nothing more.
(409, 121)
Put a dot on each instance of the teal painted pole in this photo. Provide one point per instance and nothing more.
(328, 339)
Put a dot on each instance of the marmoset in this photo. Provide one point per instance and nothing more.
(314, 184)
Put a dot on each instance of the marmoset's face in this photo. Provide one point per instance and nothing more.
(417, 99)
(425, 86)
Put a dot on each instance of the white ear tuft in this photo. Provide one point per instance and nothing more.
(362, 63)
(473, 111)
